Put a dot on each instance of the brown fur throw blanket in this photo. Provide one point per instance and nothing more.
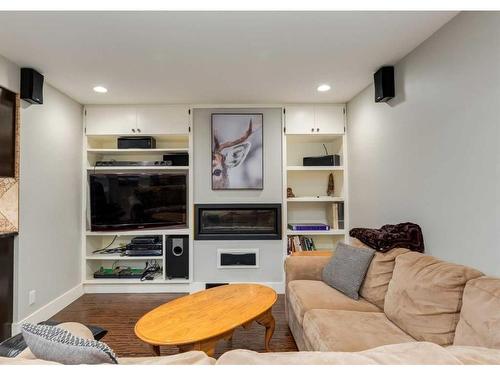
(407, 235)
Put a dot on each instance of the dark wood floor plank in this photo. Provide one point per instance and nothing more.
(118, 313)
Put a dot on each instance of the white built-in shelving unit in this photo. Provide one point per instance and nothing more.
(170, 125)
(308, 130)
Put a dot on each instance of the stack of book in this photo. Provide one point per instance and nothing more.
(300, 243)
(338, 215)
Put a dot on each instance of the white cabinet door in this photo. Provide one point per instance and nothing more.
(163, 119)
(299, 119)
(315, 119)
(110, 120)
(329, 119)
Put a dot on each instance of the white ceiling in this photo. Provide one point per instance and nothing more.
(212, 57)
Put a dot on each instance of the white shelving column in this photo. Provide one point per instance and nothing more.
(101, 144)
(310, 133)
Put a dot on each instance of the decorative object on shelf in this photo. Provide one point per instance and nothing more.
(237, 156)
(289, 193)
(406, 235)
(331, 186)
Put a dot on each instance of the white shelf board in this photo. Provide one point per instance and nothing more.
(331, 232)
(158, 232)
(129, 281)
(128, 151)
(316, 199)
(319, 168)
(117, 257)
(144, 168)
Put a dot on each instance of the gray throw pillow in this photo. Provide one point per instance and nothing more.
(58, 345)
(347, 269)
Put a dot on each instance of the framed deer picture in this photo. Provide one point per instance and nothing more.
(237, 156)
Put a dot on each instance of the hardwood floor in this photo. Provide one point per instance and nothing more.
(118, 313)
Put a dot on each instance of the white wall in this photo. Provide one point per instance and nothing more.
(9, 75)
(50, 200)
(47, 257)
(432, 154)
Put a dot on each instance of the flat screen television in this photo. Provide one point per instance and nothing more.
(7, 133)
(123, 201)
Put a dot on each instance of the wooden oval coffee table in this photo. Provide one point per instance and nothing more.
(199, 320)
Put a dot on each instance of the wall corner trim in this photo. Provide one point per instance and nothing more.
(50, 309)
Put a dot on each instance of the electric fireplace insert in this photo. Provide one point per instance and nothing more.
(238, 222)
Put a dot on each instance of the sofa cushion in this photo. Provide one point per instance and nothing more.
(474, 355)
(304, 295)
(349, 331)
(479, 323)
(347, 269)
(379, 275)
(415, 353)
(425, 296)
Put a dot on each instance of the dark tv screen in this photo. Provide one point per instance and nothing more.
(136, 201)
(7, 133)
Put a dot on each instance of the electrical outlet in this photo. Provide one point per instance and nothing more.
(32, 297)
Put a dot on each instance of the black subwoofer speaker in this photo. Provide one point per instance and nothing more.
(177, 257)
(384, 84)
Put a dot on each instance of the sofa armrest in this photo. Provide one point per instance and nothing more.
(305, 268)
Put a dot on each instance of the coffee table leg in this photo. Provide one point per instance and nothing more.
(267, 320)
(206, 346)
(156, 349)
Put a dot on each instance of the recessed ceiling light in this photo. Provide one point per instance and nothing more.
(324, 87)
(100, 89)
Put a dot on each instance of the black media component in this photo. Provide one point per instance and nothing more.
(242, 259)
(316, 161)
(384, 84)
(137, 200)
(177, 258)
(180, 160)
(136, 142)
(31, 86)
(146, 240)
(124, 163)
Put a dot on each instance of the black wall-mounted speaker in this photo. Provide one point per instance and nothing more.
(31, 86)
(384, 84)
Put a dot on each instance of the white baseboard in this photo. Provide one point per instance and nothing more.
(50, 309)
(279, 287)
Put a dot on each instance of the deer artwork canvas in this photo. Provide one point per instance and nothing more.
(237, 151)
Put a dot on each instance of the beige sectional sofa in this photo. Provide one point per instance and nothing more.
(406, 297)
(414, 309)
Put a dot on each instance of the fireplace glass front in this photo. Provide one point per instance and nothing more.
(238, 222)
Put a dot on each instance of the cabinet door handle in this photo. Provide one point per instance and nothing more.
(312, 129)
(133, 130)
(138, 130)
(317, 129)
